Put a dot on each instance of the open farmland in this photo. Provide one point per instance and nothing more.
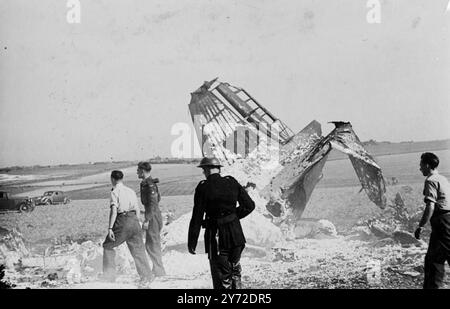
(323, 263)
(404, 167)
(80, 220)
(337, 198)
(175, 179)
(88, 219)
(181, 179)
(20, 175)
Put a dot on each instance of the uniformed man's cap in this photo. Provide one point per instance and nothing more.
(211, 162)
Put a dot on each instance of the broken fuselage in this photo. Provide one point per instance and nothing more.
(230, 124)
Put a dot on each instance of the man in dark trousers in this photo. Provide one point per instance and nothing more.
(153, 223)
(124, 227)
(437, 211)
(215, 209)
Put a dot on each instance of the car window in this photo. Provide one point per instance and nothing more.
(1, 195)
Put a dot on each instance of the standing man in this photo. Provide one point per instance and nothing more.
(124, 227)
(153, 224)
(215, 209)
(437, 211)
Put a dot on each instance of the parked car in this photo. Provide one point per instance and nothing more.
(22, 204)
(52, 197)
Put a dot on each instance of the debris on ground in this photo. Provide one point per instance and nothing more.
(337, 263)
(395, 225)
(12, 247)
(4, 284)
(406, 238)
(314, 228)
(302, 263)
(283, 254)
(307, 262)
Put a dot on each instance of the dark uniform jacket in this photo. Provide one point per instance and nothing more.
(150, 198)
(215, 209)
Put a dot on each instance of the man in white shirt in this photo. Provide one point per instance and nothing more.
(437, 211)
(124, 227)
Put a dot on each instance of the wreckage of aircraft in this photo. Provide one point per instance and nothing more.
(219, 111)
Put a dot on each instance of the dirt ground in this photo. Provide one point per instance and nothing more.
(319, 264)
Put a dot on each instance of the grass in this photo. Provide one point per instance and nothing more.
(184, 186)
(69, 171)
(387, 148)
(175, 179)
(404, 167)
(345, 207)
(336, 198)
(182, 179)
(77, 220)
(80, 220)
(88, 219)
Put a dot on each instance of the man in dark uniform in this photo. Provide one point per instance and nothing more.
(437, 210)
(215, 209)
(153, 224)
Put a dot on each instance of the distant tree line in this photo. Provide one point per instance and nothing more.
(19, 168)
(159, 160)
(373, 142)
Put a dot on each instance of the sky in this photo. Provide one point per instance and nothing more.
(112, 86)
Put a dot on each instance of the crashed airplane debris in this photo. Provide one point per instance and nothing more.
(230, 124)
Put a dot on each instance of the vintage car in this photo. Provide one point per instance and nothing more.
(52, 197)
(22, 204)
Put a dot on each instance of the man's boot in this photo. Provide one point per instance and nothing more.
(215, 274)
(221, 273)
(227, 279)
(236, 276)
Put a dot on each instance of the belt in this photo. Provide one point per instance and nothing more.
(127, 212)
(222, 220)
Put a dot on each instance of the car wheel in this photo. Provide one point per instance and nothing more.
(48, 202)
(25, 208)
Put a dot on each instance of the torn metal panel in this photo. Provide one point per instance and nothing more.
(301, 142)
(302, 163)
(300, 174)
(303, 168)
(369, 173)
(298, 193)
